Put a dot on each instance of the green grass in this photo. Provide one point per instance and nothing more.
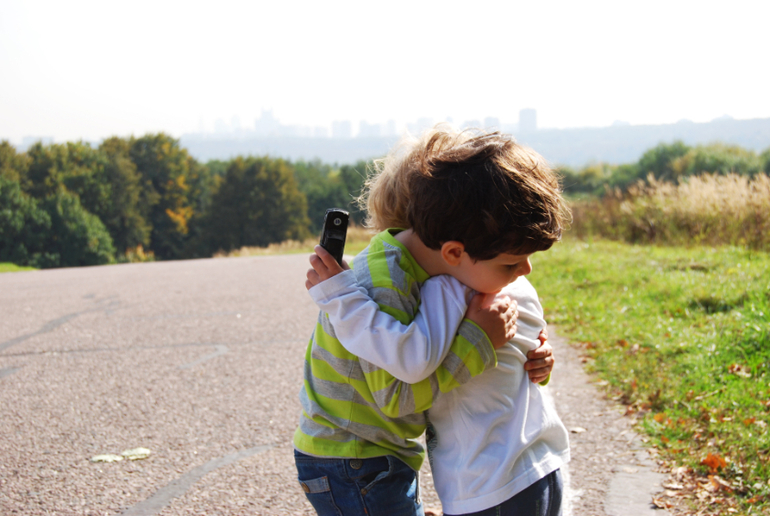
(9, 267)
(682, 337)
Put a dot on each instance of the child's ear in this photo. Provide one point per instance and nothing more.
(452, 252)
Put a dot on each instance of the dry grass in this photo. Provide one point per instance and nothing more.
(358, 238)
(707, 209)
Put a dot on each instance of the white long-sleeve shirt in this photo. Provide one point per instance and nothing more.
(493, 436)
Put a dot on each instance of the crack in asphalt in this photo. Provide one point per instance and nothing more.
(158, 501)
(52, 325)
(221, 349)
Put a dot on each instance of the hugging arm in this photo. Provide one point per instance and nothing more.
(406, 366)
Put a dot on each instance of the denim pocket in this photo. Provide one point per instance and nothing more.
(319, 494)
(317, 485)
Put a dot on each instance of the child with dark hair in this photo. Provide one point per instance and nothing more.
(477, 206)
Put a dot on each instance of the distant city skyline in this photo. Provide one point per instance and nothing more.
(87, 69)
(270, 125)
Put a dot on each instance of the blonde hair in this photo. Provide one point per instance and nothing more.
(480, 188)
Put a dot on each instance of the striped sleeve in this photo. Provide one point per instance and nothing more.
(393, 281)
(471, 354)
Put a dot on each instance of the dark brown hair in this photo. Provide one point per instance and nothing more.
(482, 189)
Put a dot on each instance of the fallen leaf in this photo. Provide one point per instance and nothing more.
(107, 457)
(714, 462)
(739, 370)
(720, 484)
(577, 430)
(136, 453)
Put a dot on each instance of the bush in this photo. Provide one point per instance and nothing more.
(257, 204)
(709, 209)
(24, 227)
(77, 237)
(55, 232)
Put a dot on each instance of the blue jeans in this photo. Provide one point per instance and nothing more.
(543, 498)
(381, 486)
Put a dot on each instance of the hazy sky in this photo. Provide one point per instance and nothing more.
(74, 69)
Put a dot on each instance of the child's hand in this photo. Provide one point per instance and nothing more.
(324, 267)
(540, 361)
(496, 316)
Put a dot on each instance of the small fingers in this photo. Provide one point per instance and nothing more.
(539, 353)
(511, 333)
(313, 278)
(317, 263)
(537, 378)
(541, 363)
(326, 257)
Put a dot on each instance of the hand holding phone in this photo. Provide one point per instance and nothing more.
(334, 232)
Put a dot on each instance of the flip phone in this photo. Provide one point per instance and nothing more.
(334, 232)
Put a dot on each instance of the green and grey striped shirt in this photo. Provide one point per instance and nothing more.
(351, 408)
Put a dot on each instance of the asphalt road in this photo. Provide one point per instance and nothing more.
(199, 362)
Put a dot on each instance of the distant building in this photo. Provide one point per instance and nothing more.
(267, 124)
(342, 129)
(528, 120)
(320, 132)
(420, 125)
(367, 130)
(471, 124)
(492, 122)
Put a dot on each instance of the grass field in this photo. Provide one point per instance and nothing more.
(9, 267)
(682, 338)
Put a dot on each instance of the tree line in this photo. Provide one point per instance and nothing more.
(72, 204)
(669, 162)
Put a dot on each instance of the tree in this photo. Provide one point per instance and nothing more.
(55, 232)
(124, 215)
(257, 204)
(45, 174)
(13, 165)
(322, 188)
(327, 187)
(717, 158)
(659, 160)
(24, 227)
(765, 159)
(354, 177)
(204, 183)
(76, 237)
(166, 171)
(105, 181)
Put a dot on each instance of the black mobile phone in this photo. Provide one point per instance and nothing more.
(334, 232)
